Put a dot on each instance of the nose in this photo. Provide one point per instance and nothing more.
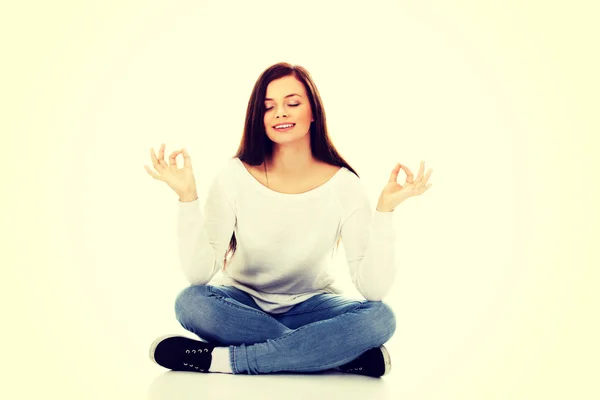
(281, 113)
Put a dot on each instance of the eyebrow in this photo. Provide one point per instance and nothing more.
(289, 95)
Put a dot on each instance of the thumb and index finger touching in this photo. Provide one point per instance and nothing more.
(187, 161)
(160, 164)
(396, 171)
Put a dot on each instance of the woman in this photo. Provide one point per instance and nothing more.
(289, 197)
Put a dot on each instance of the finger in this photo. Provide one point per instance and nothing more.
(420, 189)
(421, 170)
(409, 174)
(394, 174)
(155, 161)
(187, 161)
(173, 158)
(151, 173)
(427, 176)
(161, 156)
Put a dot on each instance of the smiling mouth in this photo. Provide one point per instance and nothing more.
(284, 127)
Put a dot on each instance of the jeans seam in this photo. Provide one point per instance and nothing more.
(320, 309)
(234, 366)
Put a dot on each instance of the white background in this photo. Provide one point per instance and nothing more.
(495, 297)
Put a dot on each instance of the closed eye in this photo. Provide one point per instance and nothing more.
(291, 105)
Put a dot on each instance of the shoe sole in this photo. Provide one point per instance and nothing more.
(387, 360)
(155, 345)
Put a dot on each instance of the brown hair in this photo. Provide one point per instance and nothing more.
(255, 145)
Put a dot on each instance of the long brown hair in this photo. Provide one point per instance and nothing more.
(255, 145)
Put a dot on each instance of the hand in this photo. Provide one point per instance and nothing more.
(181, 180)
(393, 193)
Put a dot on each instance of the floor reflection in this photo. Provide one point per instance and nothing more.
(172, 385)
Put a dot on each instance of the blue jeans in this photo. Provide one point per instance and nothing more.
(321, 333)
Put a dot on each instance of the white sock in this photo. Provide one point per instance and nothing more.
(220, 361)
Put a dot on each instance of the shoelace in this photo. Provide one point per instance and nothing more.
(353, 369)
(358, 360)
(194, 352)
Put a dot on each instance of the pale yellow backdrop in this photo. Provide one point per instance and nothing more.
(496, 297)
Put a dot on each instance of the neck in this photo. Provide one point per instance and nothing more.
(289, 162)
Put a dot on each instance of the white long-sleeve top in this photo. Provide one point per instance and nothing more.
(285, 242)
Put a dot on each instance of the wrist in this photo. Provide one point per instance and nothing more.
(187, 197)
(383, 208)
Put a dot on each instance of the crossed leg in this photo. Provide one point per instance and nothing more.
(323, 332)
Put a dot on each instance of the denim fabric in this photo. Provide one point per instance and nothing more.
(321, 333)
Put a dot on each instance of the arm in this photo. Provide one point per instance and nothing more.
(203, 238)
(368, 236)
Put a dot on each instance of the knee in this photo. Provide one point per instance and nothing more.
(382, 320)
(189, 299)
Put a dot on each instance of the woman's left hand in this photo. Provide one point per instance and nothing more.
(393, 193)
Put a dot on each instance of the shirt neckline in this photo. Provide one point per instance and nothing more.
(272, 192)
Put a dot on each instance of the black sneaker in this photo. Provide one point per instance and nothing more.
(375, 362)
(180, 353)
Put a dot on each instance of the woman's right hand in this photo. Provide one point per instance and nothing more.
(181, 180)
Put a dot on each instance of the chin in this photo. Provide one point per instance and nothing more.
(282, 136)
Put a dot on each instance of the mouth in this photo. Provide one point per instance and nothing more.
(284, 127)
